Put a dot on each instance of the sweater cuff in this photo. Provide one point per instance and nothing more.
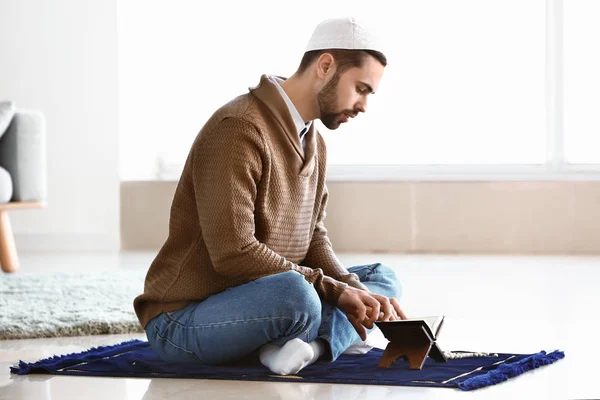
(354, 281)
(357, 284)
(333, 290)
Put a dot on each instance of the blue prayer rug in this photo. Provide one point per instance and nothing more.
(135, 359)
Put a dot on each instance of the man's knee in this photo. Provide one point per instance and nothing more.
(385, 276)
(297, 295)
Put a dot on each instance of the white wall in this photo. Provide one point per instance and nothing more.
(60, 57)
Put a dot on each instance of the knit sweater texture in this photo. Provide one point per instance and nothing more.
(250, 203)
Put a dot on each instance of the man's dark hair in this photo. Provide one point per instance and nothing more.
(344, 59)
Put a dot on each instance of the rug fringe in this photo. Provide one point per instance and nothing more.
(510, 370)
(56, 362)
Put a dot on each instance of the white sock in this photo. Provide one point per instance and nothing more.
(292, 356)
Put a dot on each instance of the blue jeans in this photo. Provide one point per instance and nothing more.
(275, 309)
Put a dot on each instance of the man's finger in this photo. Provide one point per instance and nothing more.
(374, 311)
(396, 306)
(361, 312)
(387, 310)
(360, 329)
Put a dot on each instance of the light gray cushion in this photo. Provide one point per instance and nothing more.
(23, 155)
(6, 187)
(7, 111)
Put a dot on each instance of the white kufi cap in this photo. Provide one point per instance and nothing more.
(343, 33)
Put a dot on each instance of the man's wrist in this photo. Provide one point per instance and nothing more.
(355, 283)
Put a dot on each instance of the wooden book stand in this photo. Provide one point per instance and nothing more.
(413, 342)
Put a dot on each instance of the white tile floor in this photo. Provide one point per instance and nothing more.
(501, 304)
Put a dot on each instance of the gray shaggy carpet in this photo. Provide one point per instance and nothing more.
(41, 305)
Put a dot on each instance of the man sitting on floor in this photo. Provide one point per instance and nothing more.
(248, 265)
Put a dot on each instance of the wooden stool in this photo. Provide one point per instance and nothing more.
(8, 251)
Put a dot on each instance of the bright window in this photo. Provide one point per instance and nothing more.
(466, 84)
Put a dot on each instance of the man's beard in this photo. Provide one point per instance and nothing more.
(327, 99)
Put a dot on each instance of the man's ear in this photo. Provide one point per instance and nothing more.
(325, 65)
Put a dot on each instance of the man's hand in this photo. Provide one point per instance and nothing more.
(389, 308)
(363, 309)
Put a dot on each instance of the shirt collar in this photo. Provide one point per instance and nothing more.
(301, 127)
